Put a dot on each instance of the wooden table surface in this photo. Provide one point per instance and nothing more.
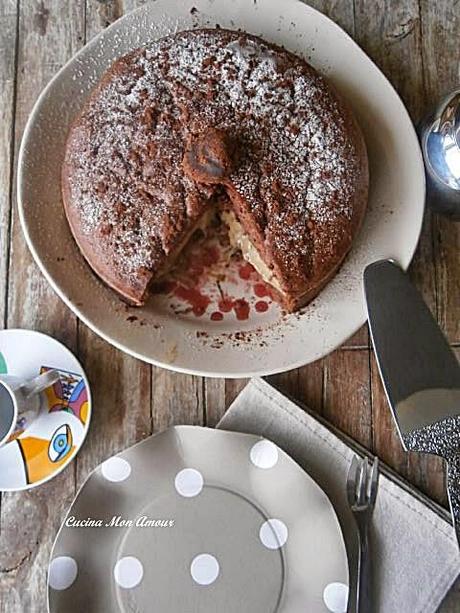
(416, 44)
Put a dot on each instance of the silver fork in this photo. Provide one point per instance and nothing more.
(362, 485)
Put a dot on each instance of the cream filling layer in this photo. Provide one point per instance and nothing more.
(240, 240)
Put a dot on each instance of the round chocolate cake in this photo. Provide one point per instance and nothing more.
(210, 122)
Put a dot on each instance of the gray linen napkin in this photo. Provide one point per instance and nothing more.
(416, 559)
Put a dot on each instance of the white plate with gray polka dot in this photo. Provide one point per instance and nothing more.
(199, 520)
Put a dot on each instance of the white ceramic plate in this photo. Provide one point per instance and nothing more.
(251, 532)
(41, 451)
(267, 342)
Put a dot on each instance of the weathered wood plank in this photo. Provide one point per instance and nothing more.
(450, 604)
(121, 385)
(391, 34)
(215, 401)
(176, 399)
(359, 340)
(341, 11)
(8, 50)
(441, 60)
(49, 34)
(232, 388)
(447, 248)
(131, 399)
(303, 384)
(121, 396)
(8, 35)
(29, 523)
(347, 395)
(99, 15)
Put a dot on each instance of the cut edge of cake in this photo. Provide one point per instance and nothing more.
(211, 165)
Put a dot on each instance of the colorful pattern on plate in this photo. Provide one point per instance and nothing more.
(55, 436)
(3, 367)
(68, 394)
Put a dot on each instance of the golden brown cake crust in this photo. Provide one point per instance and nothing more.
(172, 124)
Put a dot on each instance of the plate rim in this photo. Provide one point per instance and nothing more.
(211, 432)
(73, 457)
(255, 372)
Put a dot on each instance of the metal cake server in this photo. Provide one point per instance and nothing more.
(419, 371)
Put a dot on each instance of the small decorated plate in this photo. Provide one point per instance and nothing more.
(194, 519)
(44, 449)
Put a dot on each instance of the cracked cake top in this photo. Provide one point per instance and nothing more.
(172, 125)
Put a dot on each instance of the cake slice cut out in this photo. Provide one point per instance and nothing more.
(215, 120)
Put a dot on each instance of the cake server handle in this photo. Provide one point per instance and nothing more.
(453, 491)
(442, 439)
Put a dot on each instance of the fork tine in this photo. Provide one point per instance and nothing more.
(352, 479)
(373, 482)
(362, 482)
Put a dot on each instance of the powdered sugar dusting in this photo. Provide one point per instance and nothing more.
(297, 169)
